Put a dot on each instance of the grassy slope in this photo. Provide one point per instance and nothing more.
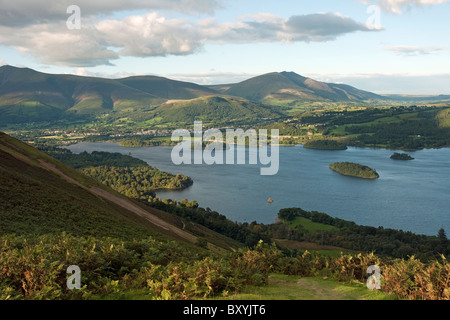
(213, 109)
(30, 95)
(309, 225)
(27, 95)
(41, 201)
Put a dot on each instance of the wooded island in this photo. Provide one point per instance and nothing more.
(354, 170)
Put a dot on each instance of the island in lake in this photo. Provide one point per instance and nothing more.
(401, 156)
(354, 170)
(325, 145)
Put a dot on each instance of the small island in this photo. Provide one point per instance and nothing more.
(325, 145)
(401, 156)
(354, 170)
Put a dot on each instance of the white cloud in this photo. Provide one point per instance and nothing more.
(54, 44)
(116, 75)
(397, 6)
(213, 77)
(413, 50)
(28, 12)
(203, 78)
(2, 63)
(152, 34)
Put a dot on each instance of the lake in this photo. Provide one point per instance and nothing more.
(409, 195)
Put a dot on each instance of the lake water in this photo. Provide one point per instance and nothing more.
(409, 195)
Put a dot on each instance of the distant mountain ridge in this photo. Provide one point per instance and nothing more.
(27, 95)
(291, 86)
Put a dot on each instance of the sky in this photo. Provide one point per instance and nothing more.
(383, 46)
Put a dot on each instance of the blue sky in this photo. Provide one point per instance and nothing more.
(384, 46)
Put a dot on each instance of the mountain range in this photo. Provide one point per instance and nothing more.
(27, 95)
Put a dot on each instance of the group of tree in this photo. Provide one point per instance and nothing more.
(146, 141)
(93, 159)
(128, 175)
(248, 234)
(138, 182)
(383, 241)
(401, 156)
(354, 170)
(325, 145)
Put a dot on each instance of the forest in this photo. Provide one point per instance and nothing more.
(384, 242)
(325, 145)
(128, 175)
(137, 182)
(147, 141)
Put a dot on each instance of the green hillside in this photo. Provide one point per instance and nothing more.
(30, 96)
(45, 196)
(217, 110)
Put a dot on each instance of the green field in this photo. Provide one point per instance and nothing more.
(309, 225)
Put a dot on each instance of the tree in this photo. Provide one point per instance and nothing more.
(442, 235)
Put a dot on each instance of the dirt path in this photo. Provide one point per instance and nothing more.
(124, 203)
(53, 168)
(318, 290)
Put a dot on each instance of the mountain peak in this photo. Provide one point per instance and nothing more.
(290, 86)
